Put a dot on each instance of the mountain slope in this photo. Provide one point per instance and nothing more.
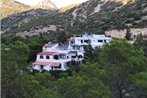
(9, 7)
(64, 9)
(97, 14)
(46, 4)
(26, 20)
(92, 16)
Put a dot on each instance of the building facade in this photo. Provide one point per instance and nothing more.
(96, 41)
(56, 57)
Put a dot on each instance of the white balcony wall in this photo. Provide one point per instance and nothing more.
(48, 67)
(51, 59)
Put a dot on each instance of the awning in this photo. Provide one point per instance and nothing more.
(47, 63)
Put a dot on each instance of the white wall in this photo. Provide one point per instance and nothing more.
(93, 41)
(52, 59)
(48, 67)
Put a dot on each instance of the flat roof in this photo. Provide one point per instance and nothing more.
(87, 38)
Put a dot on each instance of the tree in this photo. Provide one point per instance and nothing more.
(20, 52)
(73, 66)
(16, 82)
(128, 34)
(120, 60)
(89, 53)
(140, 81)
(145, 47)
(139, 41)
(43, 78)
(62, 37)
(84, 84)
(82, 87)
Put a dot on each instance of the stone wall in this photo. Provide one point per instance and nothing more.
(122, 33)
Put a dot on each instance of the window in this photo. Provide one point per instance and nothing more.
(100, 41)
(74, 47)
(52, 67)
(67, 57)
(104, 41)
(41, 56)
(57, 66)
(73, 56)
(41, 67)
(56, 57)
(62, 56)
(86, 41)
(80, 56)
(47, 57)
(81, 41)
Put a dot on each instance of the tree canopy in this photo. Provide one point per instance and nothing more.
(117, 70)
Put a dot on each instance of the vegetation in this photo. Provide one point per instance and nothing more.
(131, 15)
(11, 7)
(128, 35)
(118, 70)
(66, 8)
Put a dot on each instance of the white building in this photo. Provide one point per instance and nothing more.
(50, 61)
(55, 57)
(93, 40)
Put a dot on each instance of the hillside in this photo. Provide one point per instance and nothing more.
(50, 54)
(64, 9)
(9, 7)
(45, 4)
(92, 16)
(105, 15)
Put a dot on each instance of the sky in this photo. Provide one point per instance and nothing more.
(58, 3)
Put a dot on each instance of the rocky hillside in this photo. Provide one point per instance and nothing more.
(9, 7)
(23, 21)
(64, 9)
(97, 14)
(94, 16)
(46, 4)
